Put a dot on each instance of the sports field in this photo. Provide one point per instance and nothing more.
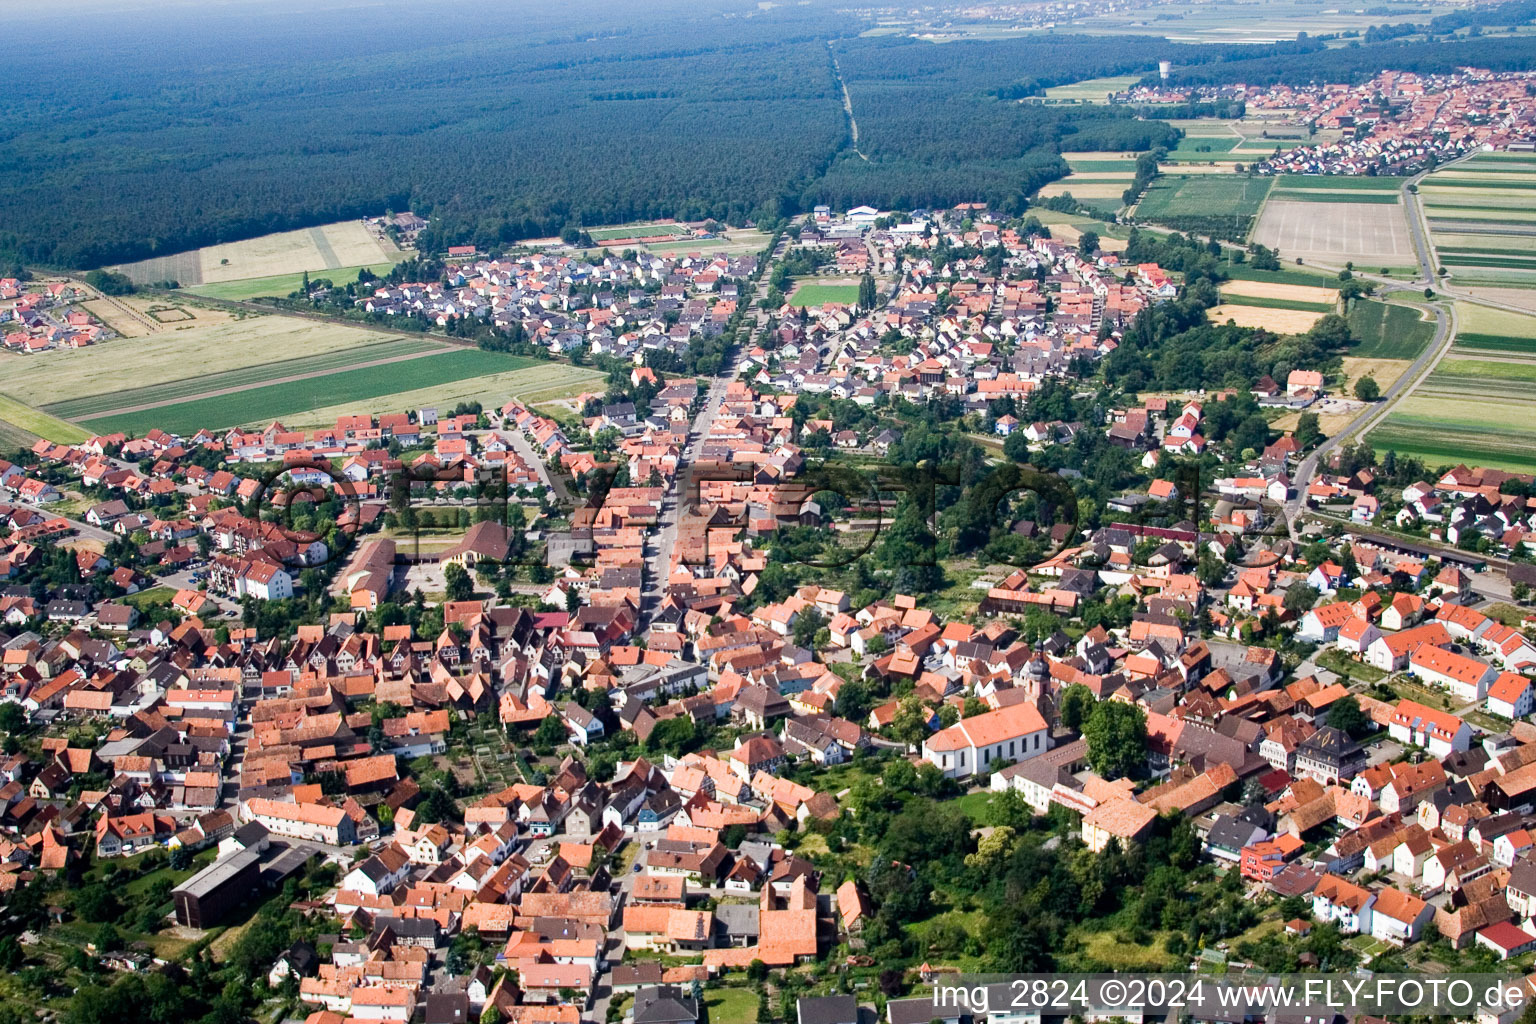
(281, 401)
(651, 229)
(820, 294)
(1343, 231)
(1388, 331)
(1482, 222)
(327, 247)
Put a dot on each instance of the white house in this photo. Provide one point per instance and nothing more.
(971, 745)
(1464, 676)
(1509, 696)
(1440, 733)
(1343, 903)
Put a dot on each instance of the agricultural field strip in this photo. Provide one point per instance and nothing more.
(274, 401)
(280, 284)
(58, 376)
(1317, 196)
(29, 421)
(232, 381)
(542, 383)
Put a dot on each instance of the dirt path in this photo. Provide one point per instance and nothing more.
(853, 126)
(267, 383)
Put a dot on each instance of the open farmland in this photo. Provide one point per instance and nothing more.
(62, 376)
(209, 385)
(1092, 90)
(20, 424)
(1375, 233)
(282, 284)
(1481, 220)
(539, 383)
(1204, 202)
(1388, 331)
(328, 247)
(1281, 321)
(1481, 329)
(282, 401)
(1302, 298)
(1474, 408)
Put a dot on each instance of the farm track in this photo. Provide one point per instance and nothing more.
(290, 379)
(853, 125)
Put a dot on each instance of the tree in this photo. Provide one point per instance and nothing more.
(1088, 244)
(1117, 739)
(96, 903)
(12, 718)
(869, 295)
(1308, 433)
(550, 733)
(457, 583)
(1366, 389)
(910, 723)
(1076, 704)
(1299, 598)
(1346, 715)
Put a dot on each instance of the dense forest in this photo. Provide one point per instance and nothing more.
(135, 132)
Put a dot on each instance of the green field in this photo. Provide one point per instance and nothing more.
(1337, 182)
(1312, 279)
(1312, 195)
(1475, 411)
(1301, 305)
(21, 424)
(1387, 331)
(1481, 220)
(820, 294)
(1087, 165)
(1204, 148)
(244, 377)
(262, 404)
(1092, 90)
(281, 285)
(1172, 197)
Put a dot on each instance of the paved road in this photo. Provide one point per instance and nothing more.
(1445, 334)
(660, 544)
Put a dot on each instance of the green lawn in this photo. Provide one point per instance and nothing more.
(275, 401)
(281, 285)
(1388, 331)
(154, 595)
(730, 1006)
(819, 294)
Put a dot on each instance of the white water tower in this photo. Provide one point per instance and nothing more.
(1162, 69)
